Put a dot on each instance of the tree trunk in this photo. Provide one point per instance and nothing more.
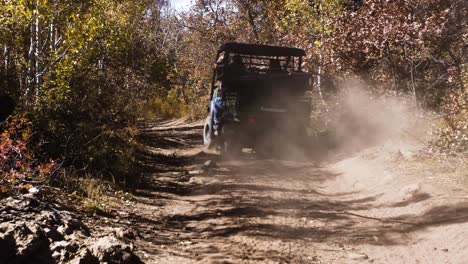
(37, 55)
(5, 52)
(321, 59)
(319, 71)
(31, 62)
(413, 83)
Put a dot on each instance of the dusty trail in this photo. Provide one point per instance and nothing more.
(360, 209)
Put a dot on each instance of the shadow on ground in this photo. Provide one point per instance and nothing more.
(235, 205)
(269, 200)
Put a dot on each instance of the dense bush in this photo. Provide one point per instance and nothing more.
(451, 133)
(82, 70)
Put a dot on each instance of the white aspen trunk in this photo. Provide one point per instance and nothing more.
(55, 36)
(413, 84)
(30, 74)
(51, 36)
(15, 60)
(321, 59)
(6, 52)
(37, 54)
(319, 71)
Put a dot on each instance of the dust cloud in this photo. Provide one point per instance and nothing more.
(362, 120)
(357, 120)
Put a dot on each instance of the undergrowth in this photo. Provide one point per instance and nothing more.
(20, 167)
(91, 194)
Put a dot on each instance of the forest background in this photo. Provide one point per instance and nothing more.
(85, 73)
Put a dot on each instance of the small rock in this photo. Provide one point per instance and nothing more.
(71, 226)
(66, 245)
(195, 181)
(125, 233)
(110, 249)
(49, 218)
(61, 230)
(358, 256)
(123, 214)
(85, 257)
(57, 256)
(186, 243)
(209, 164)
(59, 245)
(404, 154)
(445, 250)
(411, 190)
(53, 234)
(33, 190)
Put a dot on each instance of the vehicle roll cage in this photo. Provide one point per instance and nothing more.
(262, 63)
(260, 55)
(261, 50)
(257, 57)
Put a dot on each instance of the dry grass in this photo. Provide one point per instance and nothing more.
(444, 170)
(90, 194)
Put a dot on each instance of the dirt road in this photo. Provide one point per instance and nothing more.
(363, 207)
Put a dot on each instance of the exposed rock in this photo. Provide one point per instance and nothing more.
(53, 234)
(8, 246)
(33, 190)
(71, 226)
(50, 218)
(125, 233)
(66, 245)
(85, 257)
(358, 256)
(32, 246)
(209, 164)
(411, 190)
(110, 249)
(32, 231)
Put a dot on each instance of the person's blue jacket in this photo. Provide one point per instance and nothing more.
(217, 112)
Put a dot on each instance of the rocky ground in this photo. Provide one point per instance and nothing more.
(379, 204)
(36, 230)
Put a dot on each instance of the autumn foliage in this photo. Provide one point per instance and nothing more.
(18, 165)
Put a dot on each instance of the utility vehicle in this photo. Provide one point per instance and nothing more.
(258, 99)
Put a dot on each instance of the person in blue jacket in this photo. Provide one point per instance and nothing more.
(217, 111)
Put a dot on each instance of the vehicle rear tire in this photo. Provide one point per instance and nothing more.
(207, 133)
(230, 146)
